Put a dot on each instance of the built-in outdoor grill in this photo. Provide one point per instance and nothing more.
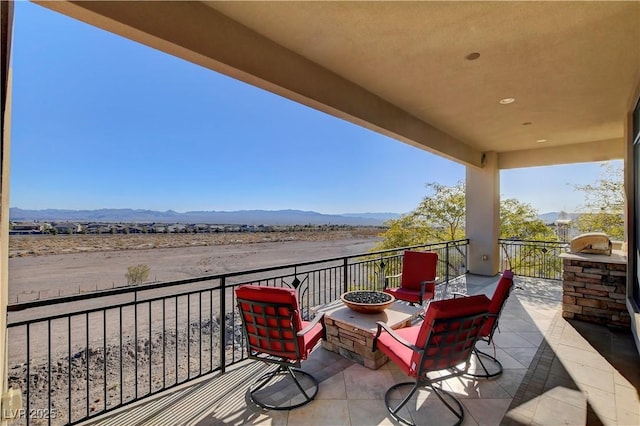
(591, 243)
(594, 281)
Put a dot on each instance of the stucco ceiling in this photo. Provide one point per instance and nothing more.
(573, 68)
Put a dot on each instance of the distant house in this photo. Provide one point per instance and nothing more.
(176, 228)
(565, 229)
(21, 228)
(201, 228)
(98, 228)
(158, 228)
(134, 230)
(217, 228)
(67, 228)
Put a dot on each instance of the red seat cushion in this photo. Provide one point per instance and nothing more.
(398, 353)
(276, 337)
(408, 295)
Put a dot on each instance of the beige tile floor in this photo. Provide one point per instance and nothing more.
(556, 372)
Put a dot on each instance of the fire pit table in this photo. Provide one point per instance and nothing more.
(350, 333)
(366, 301)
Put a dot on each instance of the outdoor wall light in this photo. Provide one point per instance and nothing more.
(507, 101)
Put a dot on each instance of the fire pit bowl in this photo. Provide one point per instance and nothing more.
(366, 301)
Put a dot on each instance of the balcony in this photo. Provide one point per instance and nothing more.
(106, 360)
(556, 371)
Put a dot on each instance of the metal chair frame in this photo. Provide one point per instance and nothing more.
(286, 365)
(423, 285)
(459, 334)
(489, 340)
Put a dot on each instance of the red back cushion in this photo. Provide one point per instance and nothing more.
(418, 266)
(276, 334)
(497, 300)
(445, 352)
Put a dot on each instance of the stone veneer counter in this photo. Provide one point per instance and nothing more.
(594, 288)
(350, 333)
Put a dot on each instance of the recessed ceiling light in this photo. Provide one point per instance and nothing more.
(541, 141)
(472, 56)
(527, 123)
(507, 101)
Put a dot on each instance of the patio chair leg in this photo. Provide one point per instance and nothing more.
(487, 374)
(394, 411)
(295, 379)
(263, 380)
(457, 410)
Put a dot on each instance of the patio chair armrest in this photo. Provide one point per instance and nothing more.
(318, 319)
(423, 285)
(403, 342)
(423, 288)
(387, 277)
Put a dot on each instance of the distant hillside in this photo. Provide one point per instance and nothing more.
(380, 216)
(241, 217)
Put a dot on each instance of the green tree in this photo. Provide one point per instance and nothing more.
(401, 232)
(520, 221)
(440, 216)
(604, 203)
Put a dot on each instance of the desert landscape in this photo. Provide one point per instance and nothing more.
(45, 266)
(98, 361)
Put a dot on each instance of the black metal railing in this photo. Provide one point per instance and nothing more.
(80, 356)
(537, 259)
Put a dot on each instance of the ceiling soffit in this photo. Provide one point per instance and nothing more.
(571, 66)
(400, 69)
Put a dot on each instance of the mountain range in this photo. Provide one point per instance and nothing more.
(551, 217)
(239, 217)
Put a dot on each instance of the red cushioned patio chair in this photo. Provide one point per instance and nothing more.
(442, 343)
(417, 279)
(275, 333)
(498, 300)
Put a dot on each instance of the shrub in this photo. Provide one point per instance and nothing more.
(137, 274)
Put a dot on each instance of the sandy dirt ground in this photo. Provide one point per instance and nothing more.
(51, 266)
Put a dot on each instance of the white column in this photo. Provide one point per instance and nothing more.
(483, 216)
(6, 14)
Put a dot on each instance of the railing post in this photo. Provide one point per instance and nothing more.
(381, 278)
(446, 256)
(345, 275)
(466, 256)
(222, 318)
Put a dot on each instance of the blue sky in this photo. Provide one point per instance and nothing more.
(103, 122)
